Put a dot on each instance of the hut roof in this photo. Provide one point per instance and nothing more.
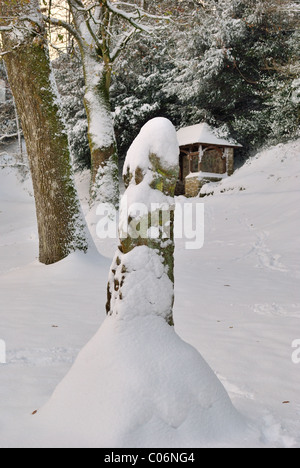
(203, 133)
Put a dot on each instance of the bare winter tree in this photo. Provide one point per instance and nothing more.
(102, 29)
(25, 51)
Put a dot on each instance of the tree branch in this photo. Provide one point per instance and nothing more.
(65, 25)
(118, 49)
(2, 54)
(6, 28)
(142, 13)
(6, 137)
(82, 17)
(128, 17)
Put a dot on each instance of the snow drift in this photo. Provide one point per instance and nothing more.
(272, 170)
(137, 384)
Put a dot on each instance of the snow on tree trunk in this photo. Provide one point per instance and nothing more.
(101, 134)
(142, 275)
(60, 223)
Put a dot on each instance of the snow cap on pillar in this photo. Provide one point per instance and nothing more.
(157, 137)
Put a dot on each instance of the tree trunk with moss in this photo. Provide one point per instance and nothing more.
(61, 227)
(97, 72)
(101, 134)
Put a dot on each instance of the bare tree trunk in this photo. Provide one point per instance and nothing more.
(60, 222)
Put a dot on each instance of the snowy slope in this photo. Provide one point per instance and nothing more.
(237, 300)
(46, 313)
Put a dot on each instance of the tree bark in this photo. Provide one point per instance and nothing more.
(97, 72)
(61, 226)
(101, 134)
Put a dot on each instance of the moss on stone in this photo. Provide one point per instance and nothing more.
(164, 179)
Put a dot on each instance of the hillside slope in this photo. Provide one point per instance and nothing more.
(238, 299)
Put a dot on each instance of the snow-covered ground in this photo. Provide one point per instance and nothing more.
(237, 299)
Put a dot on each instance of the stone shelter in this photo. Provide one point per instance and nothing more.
(204, 157)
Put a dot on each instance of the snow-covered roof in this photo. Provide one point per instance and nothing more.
(202, 133)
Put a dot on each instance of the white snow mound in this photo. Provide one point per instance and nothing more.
(137, 384)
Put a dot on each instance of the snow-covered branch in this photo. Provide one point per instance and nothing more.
(85, 23)
(142, 13)
(7, 137)
(128, 17)
(65, 25)
(16, 165)
(6, 28)
(122, 44)
(6, 52)
(86, 8)
(19, 27)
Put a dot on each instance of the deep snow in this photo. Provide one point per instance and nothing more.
(137, 383)
(237, 302)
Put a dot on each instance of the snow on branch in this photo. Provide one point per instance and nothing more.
(122, 44)
(6, 28)
(6, 52)
(65, 25)
(81, 7)
(294, 7)
(132, 18)
(142, 13)
(6, 137)
(93, 23)
(19, 28)
(85, 21)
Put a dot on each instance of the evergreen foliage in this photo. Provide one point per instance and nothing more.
(233, 64)
(8, 125)
(70, 81)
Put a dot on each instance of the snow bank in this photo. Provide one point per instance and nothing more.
(272, 169)
(137, 384)
(11, 181)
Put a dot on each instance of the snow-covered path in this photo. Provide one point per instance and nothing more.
(237, 299)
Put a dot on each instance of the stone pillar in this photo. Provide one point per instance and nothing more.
(142, 275)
